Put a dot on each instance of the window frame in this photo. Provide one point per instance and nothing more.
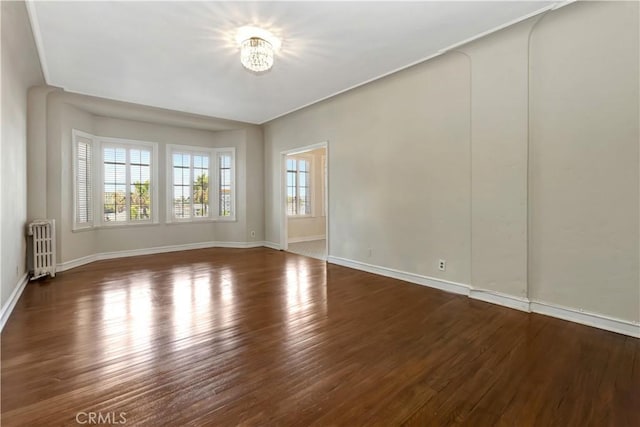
(129, 144)
(323, 177)
(214, 181)
(98, 144)
(309, 186)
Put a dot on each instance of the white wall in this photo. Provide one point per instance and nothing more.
(398, 168)
(514, 160)
(62, 112)
(20, 70)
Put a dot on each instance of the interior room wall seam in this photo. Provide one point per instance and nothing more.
(539, 19)
(471, 133)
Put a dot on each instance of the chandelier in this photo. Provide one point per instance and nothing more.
(256, 54)
(257, 48)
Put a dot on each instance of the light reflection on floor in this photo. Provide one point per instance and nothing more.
(201, 300)
(306, 303)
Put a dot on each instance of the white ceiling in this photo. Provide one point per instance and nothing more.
(183, 55)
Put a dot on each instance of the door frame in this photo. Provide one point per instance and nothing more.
(284, 220)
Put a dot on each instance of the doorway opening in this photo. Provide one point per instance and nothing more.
(305, 201)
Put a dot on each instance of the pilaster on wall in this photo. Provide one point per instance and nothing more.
(499, 159)
(37, 151)
(583, 160)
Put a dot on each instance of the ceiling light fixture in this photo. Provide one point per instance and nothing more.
(256, 54)
(257, 48)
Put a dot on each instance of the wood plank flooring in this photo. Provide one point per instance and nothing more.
(231, 337)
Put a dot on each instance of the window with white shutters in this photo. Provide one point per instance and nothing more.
(83, 183)
(114, 181)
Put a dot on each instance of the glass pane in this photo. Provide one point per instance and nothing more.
(115, 182)
(145, 174)
(109, 155)
(177, 176)
(140, 197)
(201, 192)
(197, 161)
(224, 185)
(181, 202)
(145, 157)
(120, 155)
(134, 156)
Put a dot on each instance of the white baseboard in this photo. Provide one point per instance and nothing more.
(68, 265)
(271, 245)
(596, 320)
(506, 300)
(7, 308)
(151, 251)
(456, 288)
(306, 238)
(238, 245)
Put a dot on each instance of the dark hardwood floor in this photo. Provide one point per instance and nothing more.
(260, 337)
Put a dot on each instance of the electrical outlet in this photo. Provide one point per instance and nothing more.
(253, 234)
(369, 252)
(442, 265)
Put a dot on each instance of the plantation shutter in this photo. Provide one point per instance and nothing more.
(84, 182)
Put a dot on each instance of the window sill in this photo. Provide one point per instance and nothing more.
(300, 216)
(152, 224)
(115, 225)
(201, 221)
